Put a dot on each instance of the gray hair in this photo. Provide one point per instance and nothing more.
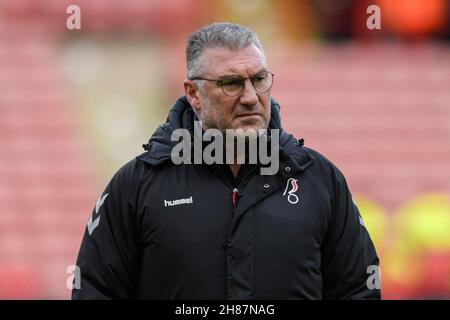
(217, 35)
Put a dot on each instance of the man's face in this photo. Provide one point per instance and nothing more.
(248, 110)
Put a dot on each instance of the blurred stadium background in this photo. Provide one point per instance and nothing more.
(75, 105)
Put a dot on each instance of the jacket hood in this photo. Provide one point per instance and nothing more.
(182, 115)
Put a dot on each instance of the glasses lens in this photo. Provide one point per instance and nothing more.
(232, 86)
(263, 81)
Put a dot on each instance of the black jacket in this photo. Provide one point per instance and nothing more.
(165, 231)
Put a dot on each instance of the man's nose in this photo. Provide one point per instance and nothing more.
(248, 95)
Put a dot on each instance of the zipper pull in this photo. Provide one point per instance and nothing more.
(235, 191)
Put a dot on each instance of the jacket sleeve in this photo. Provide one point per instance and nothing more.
(108, 259)
(350, 264)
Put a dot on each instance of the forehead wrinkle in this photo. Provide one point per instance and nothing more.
(223, 62)
(244, 71)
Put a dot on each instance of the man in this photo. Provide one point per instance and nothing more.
(225, 231)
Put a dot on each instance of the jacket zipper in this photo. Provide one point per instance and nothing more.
(235, 191)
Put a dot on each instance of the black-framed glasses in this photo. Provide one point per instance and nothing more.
(233, 85)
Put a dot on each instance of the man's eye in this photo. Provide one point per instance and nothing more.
(260, 77)
(232, 82)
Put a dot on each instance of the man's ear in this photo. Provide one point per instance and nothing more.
(192, 94)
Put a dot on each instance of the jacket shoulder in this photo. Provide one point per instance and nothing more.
(128, 176)
(325, 165)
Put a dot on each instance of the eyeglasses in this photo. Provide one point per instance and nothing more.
(233, 85)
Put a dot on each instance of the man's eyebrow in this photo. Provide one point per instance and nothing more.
(226, 76)
(260, 70)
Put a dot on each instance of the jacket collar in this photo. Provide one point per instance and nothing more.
(182, 115)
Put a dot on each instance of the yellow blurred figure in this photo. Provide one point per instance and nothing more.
(424, 223)
(416, 262)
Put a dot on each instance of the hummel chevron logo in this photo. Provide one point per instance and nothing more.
(92, 224)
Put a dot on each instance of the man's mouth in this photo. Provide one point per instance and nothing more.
(250, 114)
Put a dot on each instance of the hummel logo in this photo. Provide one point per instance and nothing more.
(92, 224)
(169, 203)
